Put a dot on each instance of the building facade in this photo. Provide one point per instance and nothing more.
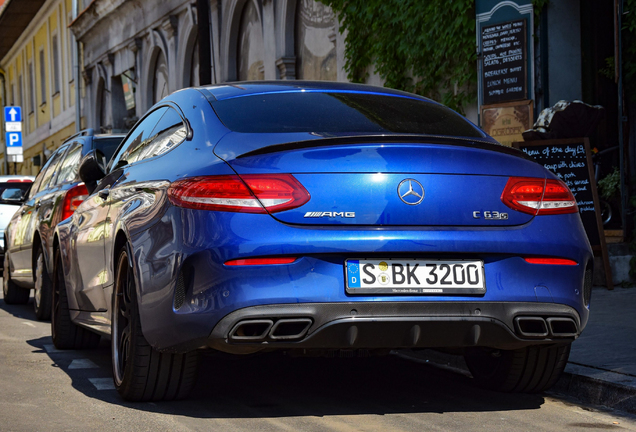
(38, 76)
(135, 52)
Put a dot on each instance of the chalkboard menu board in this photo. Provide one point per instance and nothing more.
(570, 160)
(504, 62)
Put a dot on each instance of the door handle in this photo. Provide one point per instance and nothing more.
(38, 205)
(103, 194)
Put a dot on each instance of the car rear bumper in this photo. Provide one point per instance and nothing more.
(392, 325)
(187, 293)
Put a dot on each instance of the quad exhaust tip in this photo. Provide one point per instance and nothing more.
(285, 329)
(251, 330)
(538, 327)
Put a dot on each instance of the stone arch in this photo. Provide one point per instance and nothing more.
(251, 56)
(188, 51)
(230, 36)
(157, 47)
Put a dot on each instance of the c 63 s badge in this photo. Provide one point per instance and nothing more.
(490, 215)
(330, 214)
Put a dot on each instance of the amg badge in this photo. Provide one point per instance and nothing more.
(330, 214)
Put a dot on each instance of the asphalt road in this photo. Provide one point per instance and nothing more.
(45, 389)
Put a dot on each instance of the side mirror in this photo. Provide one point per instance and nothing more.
(13, 196)
(91, 170)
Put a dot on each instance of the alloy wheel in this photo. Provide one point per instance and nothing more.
(39, 274)
(122, 323)
(5, 275)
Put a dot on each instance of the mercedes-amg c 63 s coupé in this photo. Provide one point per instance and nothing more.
(319, 218)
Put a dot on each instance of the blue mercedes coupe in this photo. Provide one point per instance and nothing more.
(319, 218)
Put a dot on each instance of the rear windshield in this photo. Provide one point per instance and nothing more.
(340, 113)
(107, 146)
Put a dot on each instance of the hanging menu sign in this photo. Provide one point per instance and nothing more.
(504, 62)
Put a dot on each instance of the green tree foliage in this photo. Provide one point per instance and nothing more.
(422, 46)
(425, 47)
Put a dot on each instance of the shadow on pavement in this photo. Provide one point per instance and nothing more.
(274, 385)
(23, 311)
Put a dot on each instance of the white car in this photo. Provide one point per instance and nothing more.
(13, 189)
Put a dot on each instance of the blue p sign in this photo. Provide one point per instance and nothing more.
(14, 139)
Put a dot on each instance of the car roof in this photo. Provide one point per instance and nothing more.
(237, 89)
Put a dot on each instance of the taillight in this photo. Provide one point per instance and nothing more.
(550, 261)
(73, 198)
(260, 261)
(252, 193)
(538, 196)
(20, 181)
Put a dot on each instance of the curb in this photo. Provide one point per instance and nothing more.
(614, 390)
(579, 382)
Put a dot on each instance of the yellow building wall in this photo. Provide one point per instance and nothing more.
(47, 109)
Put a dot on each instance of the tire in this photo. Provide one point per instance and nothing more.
(140, 372)
(42, 292)
(13, 294)
(66, 334)
(528, 370)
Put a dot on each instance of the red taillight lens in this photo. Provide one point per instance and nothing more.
(538, 196)
(551, 261)
(74, 197)
(253, 193)
(20, 181)
(260, 261)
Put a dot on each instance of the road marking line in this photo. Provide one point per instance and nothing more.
(29, 324)
(103, 383)
(82, 364)
(52, 349)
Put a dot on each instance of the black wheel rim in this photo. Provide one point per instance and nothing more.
(5, 274)
(59, 284)
(122, 323)
(39, 274)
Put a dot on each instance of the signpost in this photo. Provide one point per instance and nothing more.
(13, 136)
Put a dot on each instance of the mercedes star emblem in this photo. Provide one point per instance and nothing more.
(411, 192)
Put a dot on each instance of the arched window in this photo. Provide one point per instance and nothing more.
(160, 81)
(315, 42)
(249, 57)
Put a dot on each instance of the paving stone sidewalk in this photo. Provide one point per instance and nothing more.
(602, 365)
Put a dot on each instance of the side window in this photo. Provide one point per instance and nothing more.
(51, 172)
(70, 165)
(137, 138)
(169, 132)
(47, 171)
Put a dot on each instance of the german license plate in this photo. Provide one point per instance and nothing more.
(414, 277)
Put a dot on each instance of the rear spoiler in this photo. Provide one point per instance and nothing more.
(366, 139)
